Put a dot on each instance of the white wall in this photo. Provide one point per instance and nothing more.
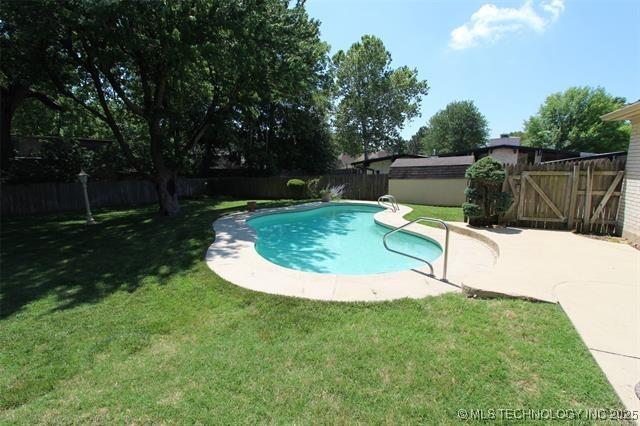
(432, 192)
(505, 155)
(380, 167)
(630, 206)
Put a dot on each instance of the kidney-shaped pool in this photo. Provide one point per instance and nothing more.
(337, 239)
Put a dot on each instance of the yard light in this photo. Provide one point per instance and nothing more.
(83, 178)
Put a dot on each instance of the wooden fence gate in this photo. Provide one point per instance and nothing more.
(581, 195)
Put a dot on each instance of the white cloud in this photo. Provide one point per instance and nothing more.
(490, 23)
(554, 7)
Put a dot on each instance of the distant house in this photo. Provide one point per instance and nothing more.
(379, 162)
(344, 161)
(437, 181)
(629, 213)
(508, 150)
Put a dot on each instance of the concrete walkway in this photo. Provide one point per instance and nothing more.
(596, 282)
(607, 317)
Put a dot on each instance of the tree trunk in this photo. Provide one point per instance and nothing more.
(167, 188)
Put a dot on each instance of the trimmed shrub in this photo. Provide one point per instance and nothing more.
(297, 188)
(485, 199)
(313, 187)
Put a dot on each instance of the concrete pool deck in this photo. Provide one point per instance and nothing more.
(596, 282)
(234, 258)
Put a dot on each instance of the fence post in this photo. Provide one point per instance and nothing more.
(588, 193)
(575, 179)
(521, 195)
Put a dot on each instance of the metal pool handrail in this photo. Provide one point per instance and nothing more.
(446, 243)
(390, 201)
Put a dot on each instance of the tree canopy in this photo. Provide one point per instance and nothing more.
(374, 100)
(161, 74)
(571, 120)
(458, 127)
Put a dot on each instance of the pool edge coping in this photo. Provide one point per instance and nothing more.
(250, 270)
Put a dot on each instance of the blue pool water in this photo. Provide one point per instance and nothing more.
(337, 239)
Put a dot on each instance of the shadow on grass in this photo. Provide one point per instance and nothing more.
(61, 256)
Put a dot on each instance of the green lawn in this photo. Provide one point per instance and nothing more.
(122, 322)
(453, 214)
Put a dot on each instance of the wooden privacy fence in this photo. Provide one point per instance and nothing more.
(357, 187)
(65, 196)
(584, 196)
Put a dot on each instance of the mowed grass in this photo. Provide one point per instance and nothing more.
(450, 214)
(122, 322)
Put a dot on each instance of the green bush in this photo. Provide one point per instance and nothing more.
(313, 187)
(297, 188)
(485, 199)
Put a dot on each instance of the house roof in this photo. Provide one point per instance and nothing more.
(345, 160)
(486, 149)
(511, 141)
(589, 156)
(430, 168)
(382, 156)
(433, 161)
(625, 113)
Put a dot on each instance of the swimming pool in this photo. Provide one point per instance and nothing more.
(337, 239)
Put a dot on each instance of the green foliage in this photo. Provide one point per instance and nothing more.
(486, 171)
(297, 187)
(313, 187)
(485, 199)
(458, 127)
(570, 120)
(417, 144)
(471, 192)
(162, 74)
(299, 139)
(60, 160)
(472, 210)
(374, 100)
(501, 201)
(35, 119)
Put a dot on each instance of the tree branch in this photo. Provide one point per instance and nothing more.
(117, 87)
(45, 100)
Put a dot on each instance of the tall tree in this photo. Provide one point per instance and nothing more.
(22, 77)
(571, 120)
(417, 143)
(374, 100)
(174, 67)
(458, 127)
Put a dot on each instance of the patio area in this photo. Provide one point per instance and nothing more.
(596, 282)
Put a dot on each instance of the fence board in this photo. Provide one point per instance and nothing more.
(52, 197)
(584, 195)
(67, 196)
(357, 186)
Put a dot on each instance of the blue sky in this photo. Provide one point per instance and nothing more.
(506, 56)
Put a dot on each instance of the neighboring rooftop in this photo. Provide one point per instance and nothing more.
(430, 168)
(486, 149)
(590, 156)
(625, 113)
(344, 161)
(383, 156)
(505, 140)
(434, 161)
